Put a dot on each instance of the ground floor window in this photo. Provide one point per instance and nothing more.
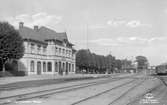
(49, 67)
(44, 67)
(69, 67)
(63, 67)
(56, 67)
(72, 67)
(38, 67)
(32, 66)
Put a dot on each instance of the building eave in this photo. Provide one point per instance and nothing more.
(36, 41)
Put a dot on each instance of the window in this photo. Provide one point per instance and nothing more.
(56, 67)
(56, 49)
(39, 47)
(49, 67)
(59, 50)
(38, 67)
(32, 46)
(66, 52)
(70, 53)
(63, 51)
(44, 67)
(32, 66)
(69, 67)
(44, 49)
(72, 67)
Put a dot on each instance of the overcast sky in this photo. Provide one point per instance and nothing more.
(124, 28)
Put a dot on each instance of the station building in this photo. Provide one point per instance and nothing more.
(46, 52)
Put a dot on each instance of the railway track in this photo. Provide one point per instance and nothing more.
(148, 91)
(37, 83)
(94, 97)
(39, 94)
(122, 95)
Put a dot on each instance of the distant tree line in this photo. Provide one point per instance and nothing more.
(92, 63)
(89, 62)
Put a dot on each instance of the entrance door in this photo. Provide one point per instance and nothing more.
(56, 67)
(60, 68)
(66, 68)
(38, 68)
(63, 68)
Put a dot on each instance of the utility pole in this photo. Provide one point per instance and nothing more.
(86, 35)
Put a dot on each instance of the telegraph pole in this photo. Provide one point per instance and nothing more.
(86, 35)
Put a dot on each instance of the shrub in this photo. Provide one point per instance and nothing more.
(18, 73)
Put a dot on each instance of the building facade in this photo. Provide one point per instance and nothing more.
(46, 52)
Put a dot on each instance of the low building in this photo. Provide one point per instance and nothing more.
(46, 51)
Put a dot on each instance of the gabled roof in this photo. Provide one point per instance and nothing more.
(28, 33)
(42, 34)
(51, 34)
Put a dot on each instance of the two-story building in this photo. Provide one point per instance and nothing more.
(46, 51)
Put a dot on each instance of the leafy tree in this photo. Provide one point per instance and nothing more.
(118, 64)
(142, 62)
(94, 63)
(11, 43)
(83, 59)
(110, 63)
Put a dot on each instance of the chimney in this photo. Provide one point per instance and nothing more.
(21, 24)
(36, 28)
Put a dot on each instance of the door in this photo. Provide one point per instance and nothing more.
(66, 68)
(60, 68)
(38, 68)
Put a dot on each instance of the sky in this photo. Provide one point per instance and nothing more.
(123, 28)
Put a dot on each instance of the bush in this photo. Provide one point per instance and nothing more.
(18, 73)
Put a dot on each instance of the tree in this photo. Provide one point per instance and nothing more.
(83, 59)
(110, 63)
(142, 62)
(94, 63)
(11, 43)
(118, 64)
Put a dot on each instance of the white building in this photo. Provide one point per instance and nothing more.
(46, 51)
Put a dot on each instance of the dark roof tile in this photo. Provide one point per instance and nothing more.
(42, 34)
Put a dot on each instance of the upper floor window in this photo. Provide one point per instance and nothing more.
(56, 49)
(39, 47)
(70, 52)
(59, 50)
(44, 49)
(66, 52)
(32, 46)
(63, 51)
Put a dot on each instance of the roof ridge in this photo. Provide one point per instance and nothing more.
(51, 29)
(42, 34)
